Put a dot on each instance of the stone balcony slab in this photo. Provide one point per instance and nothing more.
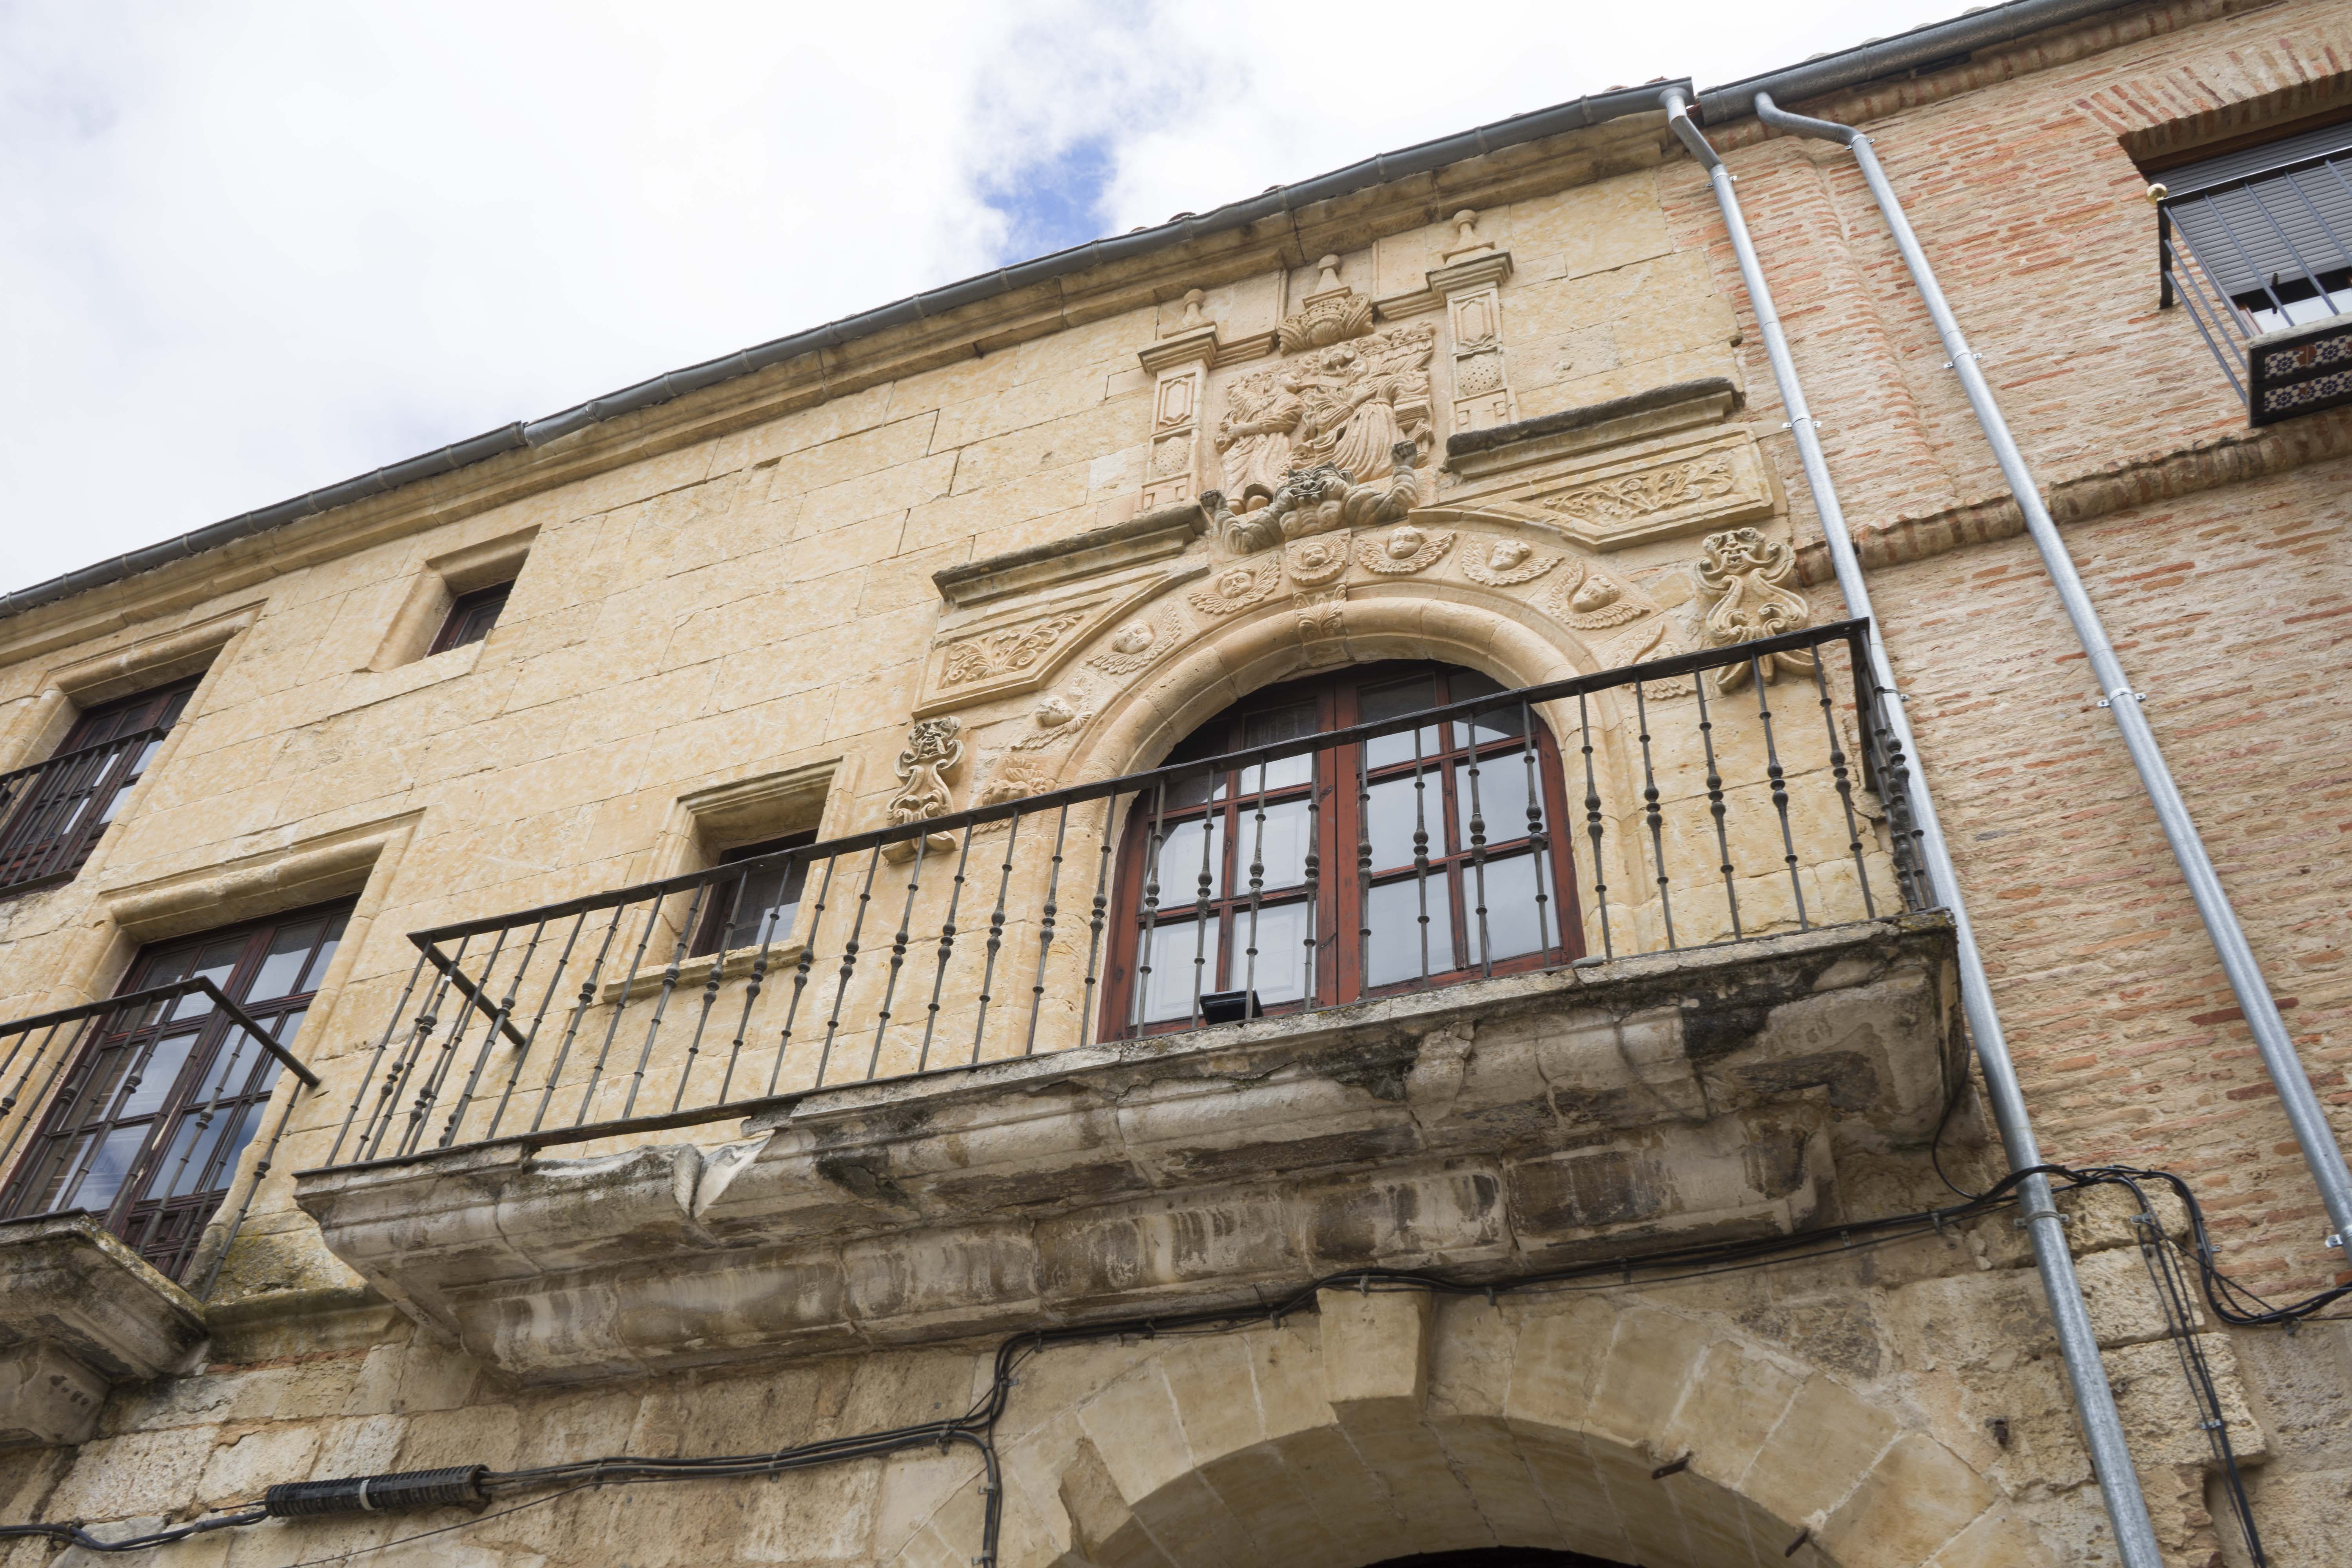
(1491, 1128)
(81, 1312)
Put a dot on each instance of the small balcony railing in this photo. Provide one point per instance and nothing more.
(1699, 799)
(100, 1114)
(2263, 261)
(52, 813)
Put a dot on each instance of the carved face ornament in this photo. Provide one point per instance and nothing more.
(1508, 554)
(1053, 714)
(1314, 554)
(1134, 637)
(1236, 583)
(1405, 544)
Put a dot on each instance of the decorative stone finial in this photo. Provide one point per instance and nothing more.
(1330, 278)
(1192, 298)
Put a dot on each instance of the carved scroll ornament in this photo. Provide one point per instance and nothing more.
(1744, 578)
(934, 751)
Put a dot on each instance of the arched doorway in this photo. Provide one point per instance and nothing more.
(1397, 863)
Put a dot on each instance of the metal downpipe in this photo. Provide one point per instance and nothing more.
(2321, 1153)
(2077, 1342)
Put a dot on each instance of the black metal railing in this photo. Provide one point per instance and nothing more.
(52, 813)
(91, 1121)
(1694, 800)
(2264, 262)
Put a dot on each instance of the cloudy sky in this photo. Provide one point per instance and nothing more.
(250, 248)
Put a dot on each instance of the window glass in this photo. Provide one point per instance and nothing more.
(1399, 915)
(1388, 702)
(1500, 794)
(1513, 925)
(1274, 841)
(1188, 850)
(1184, 955)
(1278, 971)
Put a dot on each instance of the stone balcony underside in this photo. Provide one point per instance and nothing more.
(1495, 1127)
(81, 1312)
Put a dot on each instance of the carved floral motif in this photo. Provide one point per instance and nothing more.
(1507, 561)
(997, 653)
(1320, 612)
(1239, 587)
(1405, 549)
(1631, 496)
(1744, 579)
(1017, 779)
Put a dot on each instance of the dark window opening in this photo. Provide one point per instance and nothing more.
(759, 907)
(52, 813)
(149, 1122)
(1417, 859)
(470, 618)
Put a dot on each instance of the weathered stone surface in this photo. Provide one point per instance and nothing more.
(1486, 1128)
(78, 1313)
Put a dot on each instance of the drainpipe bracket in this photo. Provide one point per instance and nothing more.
(2111, 699)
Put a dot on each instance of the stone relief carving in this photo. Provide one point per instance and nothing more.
(1239, 587)
(1133, 645)
(1743, 578)
(1350, 405)
(934, 752)
(1017, 779)
(1319, 612)
(1312, 561)
(1633, 496)
(1333, 313)
(1653, 641)
(1056, 719)
(1598, 603)
(1321, 500)
(1406, 548)
(1506, 561)
(997, 653)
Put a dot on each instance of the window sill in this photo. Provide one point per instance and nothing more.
(735, 964)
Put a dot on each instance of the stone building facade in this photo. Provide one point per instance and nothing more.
(1070, 1199)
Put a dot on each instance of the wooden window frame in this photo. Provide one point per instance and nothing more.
(94, 1101)
(1339, 787)
(101, 758)
(472, 617)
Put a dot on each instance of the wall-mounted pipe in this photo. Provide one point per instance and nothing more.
(2321, 1153)
(2078, 1343)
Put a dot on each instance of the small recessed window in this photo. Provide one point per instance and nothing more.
(757, 909)
(471, 617)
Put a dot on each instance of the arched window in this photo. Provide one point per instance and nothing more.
(1407, 862)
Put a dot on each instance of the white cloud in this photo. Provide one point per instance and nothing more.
(250, 248)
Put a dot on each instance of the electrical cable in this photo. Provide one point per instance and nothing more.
(976, 1428)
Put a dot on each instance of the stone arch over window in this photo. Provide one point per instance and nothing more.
(1411, 860)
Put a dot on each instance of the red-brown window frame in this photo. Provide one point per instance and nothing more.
(166, 1230)
(1339, 844)
(85, 782)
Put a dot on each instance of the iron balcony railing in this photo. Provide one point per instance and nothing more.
(52, 813)
(1705, 799)
(90, 1123)
(2264, 262)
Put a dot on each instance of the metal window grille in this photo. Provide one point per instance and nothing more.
(2257, 244)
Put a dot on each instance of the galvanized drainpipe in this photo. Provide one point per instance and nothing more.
(2078, 1343)
(2321, 1153)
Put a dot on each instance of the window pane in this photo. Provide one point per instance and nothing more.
(1394, 950)
(290, 953)
(1502, 799)
(1511, 918)
(1279, 846)
(205, 1166)
(214, 964)
(1183, 955)
(767, 905)
(1285, 724)
(1396, 809)
(1181, 861)
(1279, 972)
(1501, 724)
(156, 1076)
(107, 1167)
(324, 956)
(1378, 702)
